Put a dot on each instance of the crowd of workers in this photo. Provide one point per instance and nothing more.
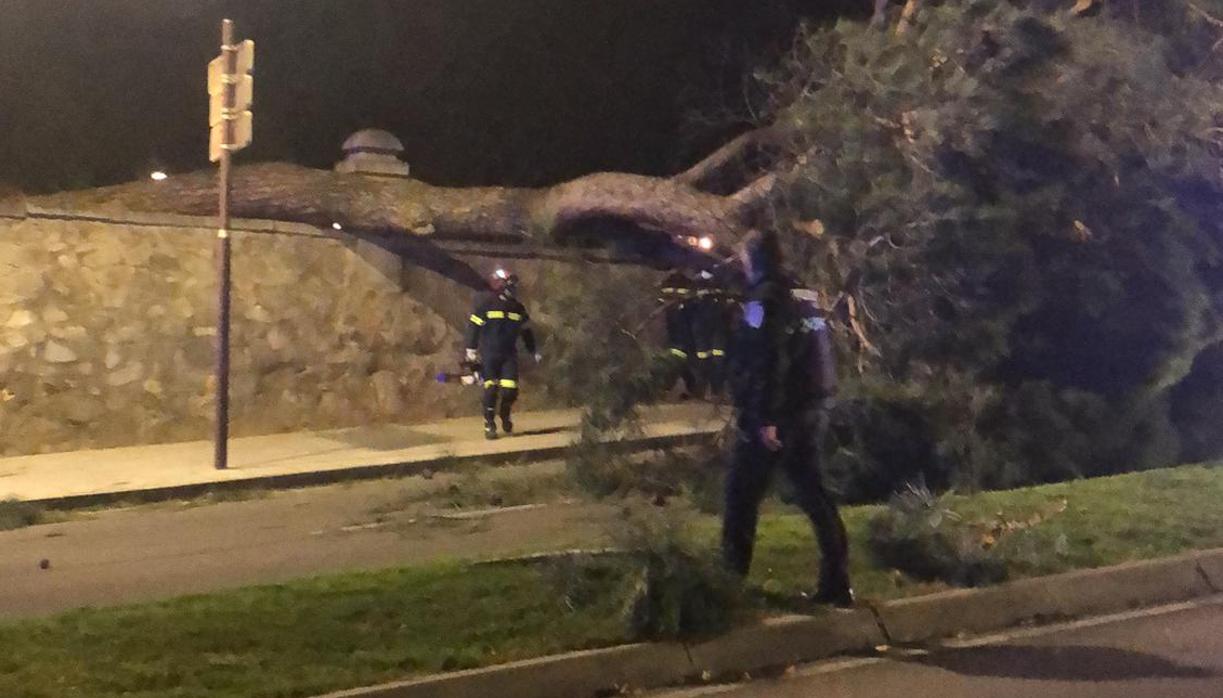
(780, 372)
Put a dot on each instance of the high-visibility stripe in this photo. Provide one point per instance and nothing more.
(668, 289)
(718, 352)
(679, 352)
(702, 355)
(489, 384)
(477, 320)
(514, 316)
(507, 383)
(496, 314)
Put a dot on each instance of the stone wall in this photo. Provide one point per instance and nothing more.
(107, 330)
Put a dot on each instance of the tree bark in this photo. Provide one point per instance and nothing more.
(738, 162)
(906, 16)
(547, 216)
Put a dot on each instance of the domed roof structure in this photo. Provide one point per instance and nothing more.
(373, 151)
(373, 140)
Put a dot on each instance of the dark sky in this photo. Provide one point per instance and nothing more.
(481, 91)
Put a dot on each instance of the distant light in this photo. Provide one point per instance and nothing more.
(336, 226)
(692, 241)
(158, 176)
(706, 243)
(500, 274)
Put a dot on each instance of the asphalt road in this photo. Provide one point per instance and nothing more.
(114, 557)
(1176, 652)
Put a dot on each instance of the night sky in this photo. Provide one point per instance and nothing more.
(94, 92)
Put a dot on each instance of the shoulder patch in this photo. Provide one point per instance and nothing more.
(815, 324)
(753, 314)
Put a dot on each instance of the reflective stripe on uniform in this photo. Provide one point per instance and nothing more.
(496, 314)
(477, 320)
(680, 353)
(514, 316)
(702, 355)
(718, 352)
(507, 383)
(489, 384)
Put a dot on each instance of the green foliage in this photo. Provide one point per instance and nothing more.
(924, 537)
(17, 514)
(604, 355)
(680, 589)
(1031, 205)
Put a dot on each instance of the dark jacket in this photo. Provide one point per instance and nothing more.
(759, 361)
(496, 323)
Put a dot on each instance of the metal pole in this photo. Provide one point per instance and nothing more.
(221, 436)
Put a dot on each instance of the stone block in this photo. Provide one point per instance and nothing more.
(788, 640)
(56, 353)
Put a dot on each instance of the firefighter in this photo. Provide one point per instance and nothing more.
(495, 326)
(678, 296)
(709, 331)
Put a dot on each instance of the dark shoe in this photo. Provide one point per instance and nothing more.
(490, 432)
(842, 597)
(507, 426)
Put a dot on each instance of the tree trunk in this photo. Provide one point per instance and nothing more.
(546, 216)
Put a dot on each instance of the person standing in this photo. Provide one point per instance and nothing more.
(782, 386)
(709, 331)
(678, 296)
(497, 322)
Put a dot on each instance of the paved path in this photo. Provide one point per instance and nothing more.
(183, 469)
(1175, 652)
(160, 551)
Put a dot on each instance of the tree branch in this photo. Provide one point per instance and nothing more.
(734, 164)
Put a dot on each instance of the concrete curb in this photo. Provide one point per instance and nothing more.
(1081, 593)
(1210, 564)
(574, 674)
(351, 473)
(779, 642)
(787, 640)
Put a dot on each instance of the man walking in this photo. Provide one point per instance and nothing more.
(783, 378)
(495, 326)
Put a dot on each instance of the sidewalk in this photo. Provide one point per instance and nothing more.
(81, 478)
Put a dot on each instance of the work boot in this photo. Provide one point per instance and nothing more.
(507, 426)
(838, 596)
(490, 431)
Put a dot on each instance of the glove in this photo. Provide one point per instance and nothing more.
(471, 355)
(538, 357)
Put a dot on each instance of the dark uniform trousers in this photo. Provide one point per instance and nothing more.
(709, 331)
(751, 469)
(500, 373)
(679, 301)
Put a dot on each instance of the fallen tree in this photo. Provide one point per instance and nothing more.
(677, 206)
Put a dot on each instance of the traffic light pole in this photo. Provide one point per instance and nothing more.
(221, 435)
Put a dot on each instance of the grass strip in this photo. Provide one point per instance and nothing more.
(316, 635)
